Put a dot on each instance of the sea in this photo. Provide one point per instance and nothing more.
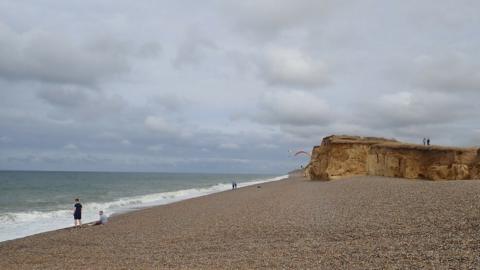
(32, 202)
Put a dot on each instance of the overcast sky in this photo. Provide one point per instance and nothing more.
(229, 86)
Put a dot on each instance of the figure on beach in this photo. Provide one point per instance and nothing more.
(428, 141)
(424, 141)
(102, 220)
(234, 185)
(77, 212)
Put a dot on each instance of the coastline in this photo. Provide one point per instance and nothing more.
(360, 222)
(16, 229)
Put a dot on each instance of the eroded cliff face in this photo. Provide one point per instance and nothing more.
(344, 156)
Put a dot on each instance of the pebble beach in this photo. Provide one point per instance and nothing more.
(355, 223)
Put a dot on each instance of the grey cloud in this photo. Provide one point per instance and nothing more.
(71, 102)
(475, 137)
(155, 148)
(290, 72)
(169, 102)
(243, 63)
(64, 97)
(5, 139)
(438, 97)
(111, 137)
(70, 147)
(265, 19)
(413, 112)
(192, 49)
(133, 162)
(229, 146)
(149, 50)
(58, 58)
(291, 67)
(165, 128)
(267, 146)
(451, 72)
(294, 108)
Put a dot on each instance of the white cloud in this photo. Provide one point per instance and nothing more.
(400, 100)
(291, 71)
(159, 124)
(125, 142)
(412, 109)
(70, 146)
(291, 67)
(294, 108)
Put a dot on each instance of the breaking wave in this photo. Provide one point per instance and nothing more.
(20, 224)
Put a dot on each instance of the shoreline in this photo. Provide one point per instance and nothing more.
(361, 222)
(202, 191)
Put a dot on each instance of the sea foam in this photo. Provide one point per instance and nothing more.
(20, 224)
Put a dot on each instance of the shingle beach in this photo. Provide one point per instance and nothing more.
(362, 222)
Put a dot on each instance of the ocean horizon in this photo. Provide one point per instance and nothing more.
(33, 202)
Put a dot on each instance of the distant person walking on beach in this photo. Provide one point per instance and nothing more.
(424, 141)
(234, 185)
(77, 213)
(428, 141)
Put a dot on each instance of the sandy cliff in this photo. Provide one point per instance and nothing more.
(343, 156)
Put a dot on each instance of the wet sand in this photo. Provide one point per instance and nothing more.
(363, 222)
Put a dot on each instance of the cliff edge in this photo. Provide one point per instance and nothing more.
(344, 156)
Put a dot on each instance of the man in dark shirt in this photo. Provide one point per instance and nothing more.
(77, 213)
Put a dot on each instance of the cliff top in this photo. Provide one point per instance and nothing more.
(356, 139)
(389, 143)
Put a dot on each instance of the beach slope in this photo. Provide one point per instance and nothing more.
(366, 222)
